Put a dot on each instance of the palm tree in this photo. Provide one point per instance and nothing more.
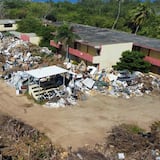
(118, 14)
(66, 36)
(2, 10)
(139, 15)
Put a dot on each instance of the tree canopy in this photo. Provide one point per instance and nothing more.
(32, 24)
(132, 16)
(65, 34)
(133, 61)
(139, 15)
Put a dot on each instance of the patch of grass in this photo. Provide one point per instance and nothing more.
(133, 128)
(75, 62)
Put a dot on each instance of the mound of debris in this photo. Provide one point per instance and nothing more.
(21, 141)
(18, 54)
(23, 55)
(115, 83)
(124, 142)
(87, 154)
(131, 142)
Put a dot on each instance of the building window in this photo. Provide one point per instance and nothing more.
(98, 52)
(136, 48)
(8, 25)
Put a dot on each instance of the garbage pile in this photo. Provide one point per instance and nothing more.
(16, 57)
(63, 96)
(19, 55)
(136, 84)
(117, 83)
(45, 50)
(57, 102)
(17, 79)
(79, 85)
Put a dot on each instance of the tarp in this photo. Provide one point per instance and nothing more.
(46, 72)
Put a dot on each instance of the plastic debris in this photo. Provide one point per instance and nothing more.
(88, 82)
(121, 156)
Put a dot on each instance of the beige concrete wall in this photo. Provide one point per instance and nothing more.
(110, 54)
(13, 28)
(35, 40)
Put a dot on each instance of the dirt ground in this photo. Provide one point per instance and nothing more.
(86, 123)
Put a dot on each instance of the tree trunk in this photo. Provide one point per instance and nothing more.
(137, 28)
(118, 14)
(2, 10)
(67, 53)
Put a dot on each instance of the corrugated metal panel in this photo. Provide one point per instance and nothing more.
(46, 71)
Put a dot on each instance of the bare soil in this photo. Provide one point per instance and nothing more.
(86, 123)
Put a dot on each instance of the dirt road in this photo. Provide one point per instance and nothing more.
(85, 123)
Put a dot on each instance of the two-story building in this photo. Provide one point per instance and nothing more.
(103, 47)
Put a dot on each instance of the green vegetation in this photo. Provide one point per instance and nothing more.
(139, 15)
(65, 34)
(132, 128)
(133, 61)
(133, 16)
(31, 24)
